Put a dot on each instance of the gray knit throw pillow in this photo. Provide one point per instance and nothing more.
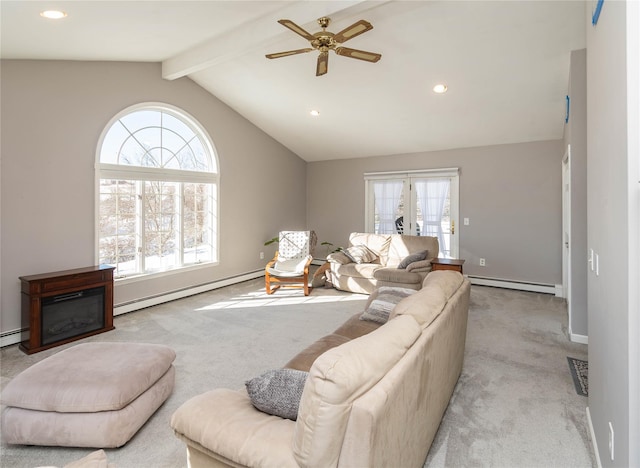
(414, 257)
(278, 392)
(382, 301)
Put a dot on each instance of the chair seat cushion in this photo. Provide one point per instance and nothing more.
(89, 377)
(285, 274)
(293, 265)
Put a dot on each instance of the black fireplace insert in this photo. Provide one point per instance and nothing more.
(72, 314)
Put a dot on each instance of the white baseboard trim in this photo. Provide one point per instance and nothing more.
(14, 336)
(509, 284)
(582, 339)
(594, 442)
(120, 309)
(10, 338)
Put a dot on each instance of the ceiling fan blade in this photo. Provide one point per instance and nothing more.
(288, 52)
(352, 31)
(296, 29)
(323, 64)
(358, 54)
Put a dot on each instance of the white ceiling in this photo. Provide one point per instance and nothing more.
(506, 64)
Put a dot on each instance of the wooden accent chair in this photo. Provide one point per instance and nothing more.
(290, 265)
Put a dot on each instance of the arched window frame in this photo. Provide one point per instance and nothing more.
(141, 175)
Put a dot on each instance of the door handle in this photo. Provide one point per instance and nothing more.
(453, 227)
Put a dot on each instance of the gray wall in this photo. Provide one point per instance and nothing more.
(510, 193)
(52, 116)
(576, 135)
(613, 53)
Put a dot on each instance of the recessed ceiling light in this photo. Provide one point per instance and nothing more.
(440, 88)
(53, 14)
(315, 113)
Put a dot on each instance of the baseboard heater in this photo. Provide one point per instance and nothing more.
(14, 336)
(556, 290)
(143, 303)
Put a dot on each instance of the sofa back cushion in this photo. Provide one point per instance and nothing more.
(401, 246)
(425, 305)
(336, 379)
(378, 243)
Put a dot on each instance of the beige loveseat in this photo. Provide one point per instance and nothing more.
(374, 395)
(390, 250)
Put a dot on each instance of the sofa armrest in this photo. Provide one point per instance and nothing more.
(225, 423)
(421, 265)
(339, 258)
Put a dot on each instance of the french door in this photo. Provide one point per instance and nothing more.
(419, 203)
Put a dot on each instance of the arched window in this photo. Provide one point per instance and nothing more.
(157, 192)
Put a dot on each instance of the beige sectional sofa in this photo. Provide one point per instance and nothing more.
(390, 250)
(374, 394)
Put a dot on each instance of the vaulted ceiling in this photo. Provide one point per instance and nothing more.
(505, 63)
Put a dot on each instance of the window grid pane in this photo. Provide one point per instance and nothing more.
(196, 218)
(145, 139)
(117, 225)
(161, 228)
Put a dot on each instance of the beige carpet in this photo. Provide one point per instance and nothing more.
(515, 404)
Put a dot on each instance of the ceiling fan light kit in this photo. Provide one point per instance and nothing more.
(324, 41)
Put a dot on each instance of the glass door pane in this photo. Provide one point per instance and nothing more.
(388, 205)
(433, 211)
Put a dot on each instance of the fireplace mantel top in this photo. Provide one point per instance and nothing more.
(57, 274)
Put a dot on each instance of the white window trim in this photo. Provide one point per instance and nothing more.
(452, 172)
(442, 172)
(141, 173)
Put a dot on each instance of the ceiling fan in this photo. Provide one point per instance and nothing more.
(324, 41)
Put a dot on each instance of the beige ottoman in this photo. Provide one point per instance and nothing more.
(90, 395)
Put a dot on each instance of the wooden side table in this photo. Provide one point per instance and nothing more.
(454, 264)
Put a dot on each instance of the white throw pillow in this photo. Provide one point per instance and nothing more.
(360, 254)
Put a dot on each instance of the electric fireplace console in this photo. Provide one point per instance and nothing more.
(65, 306)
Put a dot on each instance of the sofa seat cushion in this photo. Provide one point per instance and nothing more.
(224, 424)
(395, 275)
(89, 377)
(354, 327)
(336, 379)
(305, 358)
